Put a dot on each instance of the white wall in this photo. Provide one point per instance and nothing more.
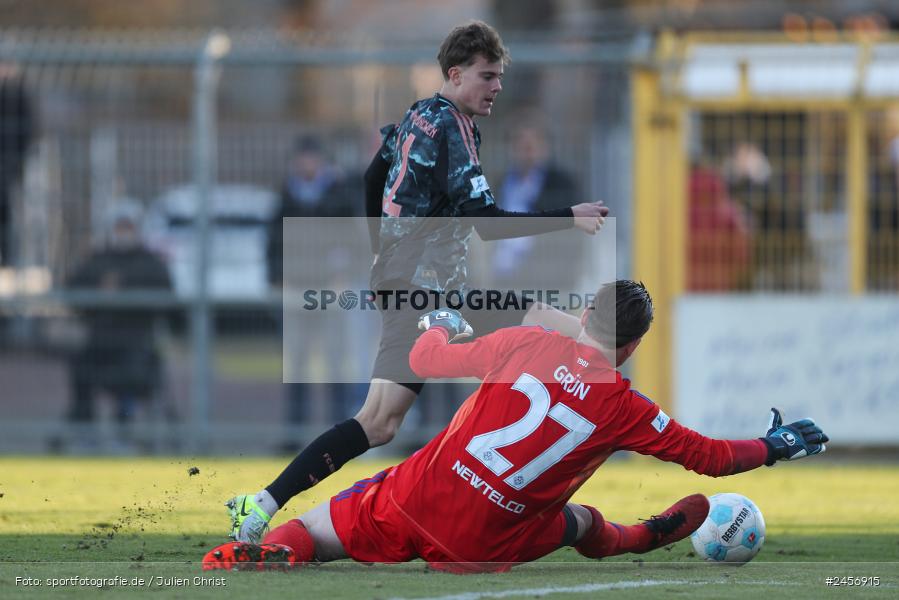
(835, 359)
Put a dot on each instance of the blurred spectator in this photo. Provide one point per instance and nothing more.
(120, 355)
(16, 132)
(314, 188)
(535, 182)
(778, 220)
(719, 237)
(883, 245)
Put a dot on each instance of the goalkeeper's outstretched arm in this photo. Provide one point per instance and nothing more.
(433, 356)
(652, 432)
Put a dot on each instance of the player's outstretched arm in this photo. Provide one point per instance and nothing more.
(493, 223)
(794, 441)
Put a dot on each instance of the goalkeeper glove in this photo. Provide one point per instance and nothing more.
(450, 320)
(794, 441)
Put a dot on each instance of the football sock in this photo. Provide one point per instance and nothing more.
(266, 502)
(605, 538)
(327, 453)
(293, 534)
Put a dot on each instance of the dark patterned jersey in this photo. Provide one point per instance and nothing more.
(435, 178)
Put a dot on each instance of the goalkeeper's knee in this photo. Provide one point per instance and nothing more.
(593, 544)
(295, 535)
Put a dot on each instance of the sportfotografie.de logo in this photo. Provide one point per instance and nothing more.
(419, 299)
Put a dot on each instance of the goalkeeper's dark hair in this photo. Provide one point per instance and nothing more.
(465, 42)
(621, 313)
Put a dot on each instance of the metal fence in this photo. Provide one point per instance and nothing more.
(765, 168)
(190, 136)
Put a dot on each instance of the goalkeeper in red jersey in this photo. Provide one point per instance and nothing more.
(493, 488)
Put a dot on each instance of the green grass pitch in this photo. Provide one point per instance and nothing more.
(148, 522)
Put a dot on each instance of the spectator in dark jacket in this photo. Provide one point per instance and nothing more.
(120, 356)
(535, 182)
(312, 188)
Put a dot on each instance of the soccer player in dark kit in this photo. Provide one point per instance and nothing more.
(427, 188)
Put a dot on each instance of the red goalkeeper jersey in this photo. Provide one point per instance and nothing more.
(537, 427)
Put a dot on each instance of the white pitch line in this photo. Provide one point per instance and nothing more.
(590, 587)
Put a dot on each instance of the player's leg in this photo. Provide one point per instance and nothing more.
(318, 523)
(251, 513)
(585, 528)
(364, 515)
(541, 537)
(376, 424)
(385, 407)
(387, 401)
(311, 536)
(604, 538)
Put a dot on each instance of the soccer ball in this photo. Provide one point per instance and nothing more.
(733, 532)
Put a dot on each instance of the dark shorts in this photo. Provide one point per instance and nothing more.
(399, 326)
